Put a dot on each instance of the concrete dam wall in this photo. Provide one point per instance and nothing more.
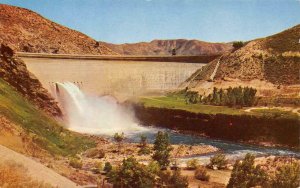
(122, 79)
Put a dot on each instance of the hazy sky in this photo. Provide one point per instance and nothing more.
(121, 21)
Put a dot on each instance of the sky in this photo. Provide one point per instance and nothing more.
(128, 21)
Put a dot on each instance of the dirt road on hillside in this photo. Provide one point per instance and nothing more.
(36, 170)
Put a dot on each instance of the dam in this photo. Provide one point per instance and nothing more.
(120, 78)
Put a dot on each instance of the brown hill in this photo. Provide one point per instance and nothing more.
(274, 59)
(164, 47)
(27, 31)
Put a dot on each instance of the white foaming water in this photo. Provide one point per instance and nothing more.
(94, 115)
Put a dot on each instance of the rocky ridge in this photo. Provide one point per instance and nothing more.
(164, 47)
(26, 31)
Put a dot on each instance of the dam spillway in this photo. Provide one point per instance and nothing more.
(118, 78)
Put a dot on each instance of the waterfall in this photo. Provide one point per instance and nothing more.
(92, 114)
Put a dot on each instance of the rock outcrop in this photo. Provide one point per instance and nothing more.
(26, 31)
(165, 47)
(13, 70)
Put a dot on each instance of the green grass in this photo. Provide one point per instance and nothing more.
(275, 113)
(50, 135)
(177, 102)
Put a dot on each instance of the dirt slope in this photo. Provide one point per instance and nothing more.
(27, 31)
(36, 170)
(164, 47)
(273, 60)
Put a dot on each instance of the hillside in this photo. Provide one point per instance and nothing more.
(164, 47)
(27, 31)
(13, 70)
(267, 63)
(26, 111)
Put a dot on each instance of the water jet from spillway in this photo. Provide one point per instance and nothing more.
(94, 115)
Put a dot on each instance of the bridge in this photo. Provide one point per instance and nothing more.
(175, 59)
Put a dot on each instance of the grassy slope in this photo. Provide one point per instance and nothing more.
(177, 102)
(49, 134)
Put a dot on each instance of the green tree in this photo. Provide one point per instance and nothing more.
(237, 44)
(107, 167)
(162, 149)
(246, 175)
(287, 176)
(131, 174)
(119, 138)
(219, 161)
(144, 149)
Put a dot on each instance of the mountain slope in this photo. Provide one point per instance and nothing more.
(27, 31)
(274, 59)
(164, 47)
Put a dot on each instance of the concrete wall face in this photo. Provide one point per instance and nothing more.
(118, 78)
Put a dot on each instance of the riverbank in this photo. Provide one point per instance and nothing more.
(272, 128)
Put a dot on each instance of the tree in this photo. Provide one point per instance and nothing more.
(144, 149)
(237, 44)
(246, 175)
(107, 167)
(119, 138)
(219, 161)
(162, 149)
(131, 174)
(287, 176)
(173, 51)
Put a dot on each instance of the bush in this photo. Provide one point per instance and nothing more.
(98, 166)
(131, 174)
(287, 176)
(75, 163)
(219, 161)
(245, 174)
(162, 148)
(95, 153)
(192, 164)
(107, 167)
(175, 179)
(237, 44)
(201, 174)
(154, 167)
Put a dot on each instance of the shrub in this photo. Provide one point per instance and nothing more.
(162, 149)
(95, 153)
(154, 167)
(245, 174)
(192, 164)
(98, 166)
(287, 176)
(119, 138)
(219, 161)
(175, 179)
(107, 167)
(201, 174)
(75, 163)
(237, 44)
(131, 174)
